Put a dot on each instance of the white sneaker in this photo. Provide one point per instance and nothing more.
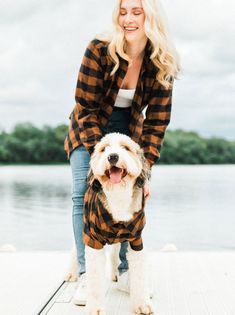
(123, 283)
(80, 295)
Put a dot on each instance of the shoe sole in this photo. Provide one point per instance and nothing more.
(79, 303)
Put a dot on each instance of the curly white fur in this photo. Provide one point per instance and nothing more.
(121, 199)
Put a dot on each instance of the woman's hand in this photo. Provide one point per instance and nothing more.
(146, 191)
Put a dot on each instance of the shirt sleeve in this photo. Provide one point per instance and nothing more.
(157, 119)
(88, 96)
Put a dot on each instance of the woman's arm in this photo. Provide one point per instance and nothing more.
(88, 97)
(157, 118)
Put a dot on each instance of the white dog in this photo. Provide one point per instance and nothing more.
(113, 213)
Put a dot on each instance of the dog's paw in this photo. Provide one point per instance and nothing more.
(99, 312)
(95, 311)
(144, 308)
(70, 277)
(114, 277)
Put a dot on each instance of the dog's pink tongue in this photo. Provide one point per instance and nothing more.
(115, 175)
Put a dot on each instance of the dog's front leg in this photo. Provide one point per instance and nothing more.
(139, 291)
(115, 248)
(95, 273)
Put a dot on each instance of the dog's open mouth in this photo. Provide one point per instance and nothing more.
(116, 174)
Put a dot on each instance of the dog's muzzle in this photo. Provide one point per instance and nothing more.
(114, 173)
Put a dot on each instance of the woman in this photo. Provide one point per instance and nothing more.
(121, 74)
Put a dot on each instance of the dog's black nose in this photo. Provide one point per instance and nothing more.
(113, 158)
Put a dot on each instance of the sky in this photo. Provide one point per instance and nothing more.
(42, 44)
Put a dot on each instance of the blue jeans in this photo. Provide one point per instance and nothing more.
(79, 161)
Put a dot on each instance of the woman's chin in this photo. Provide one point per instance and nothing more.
(132, 38)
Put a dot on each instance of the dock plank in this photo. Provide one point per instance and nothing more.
(184, 283)
(28, 279)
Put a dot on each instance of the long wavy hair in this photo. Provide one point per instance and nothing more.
(163, 54)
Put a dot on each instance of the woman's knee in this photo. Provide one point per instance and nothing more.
(79, 161)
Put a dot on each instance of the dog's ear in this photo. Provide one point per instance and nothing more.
(94, 183)
(145, 173)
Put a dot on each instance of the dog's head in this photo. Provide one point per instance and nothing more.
(117, 160)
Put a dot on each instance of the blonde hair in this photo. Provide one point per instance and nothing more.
(163, 54)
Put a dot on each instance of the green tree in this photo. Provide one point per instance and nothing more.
(29, 144)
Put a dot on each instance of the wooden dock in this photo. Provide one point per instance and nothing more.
(185, 283)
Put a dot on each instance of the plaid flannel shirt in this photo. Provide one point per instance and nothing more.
(95, 96)
(101, 229)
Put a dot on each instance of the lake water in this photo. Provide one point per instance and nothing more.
(192, 207)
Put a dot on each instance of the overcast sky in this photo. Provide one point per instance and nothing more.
(43, 41)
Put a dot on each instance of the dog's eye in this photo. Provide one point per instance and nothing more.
(126, 148)
(103, 148)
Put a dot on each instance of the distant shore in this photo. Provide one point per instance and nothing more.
(30, 145)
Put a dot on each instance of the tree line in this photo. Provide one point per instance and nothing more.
(30, 144)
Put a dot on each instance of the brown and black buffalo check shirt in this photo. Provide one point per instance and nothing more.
(101, 229)
(95, 96)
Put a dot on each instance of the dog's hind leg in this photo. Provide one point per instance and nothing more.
(139, 290)
(95, 275)
(72, 274)
(115, 248)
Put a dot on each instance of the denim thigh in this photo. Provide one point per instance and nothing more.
(79, 161)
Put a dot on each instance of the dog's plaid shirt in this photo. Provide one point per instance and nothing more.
(101, 229)
(95, 97)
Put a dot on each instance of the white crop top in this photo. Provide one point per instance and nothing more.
(124, 98)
